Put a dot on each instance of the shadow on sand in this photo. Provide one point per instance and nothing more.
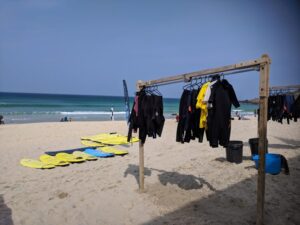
(5, 213)
(223, 159)
(236, 205)
(183, 181)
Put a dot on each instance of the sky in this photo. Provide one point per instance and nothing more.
(89, 47)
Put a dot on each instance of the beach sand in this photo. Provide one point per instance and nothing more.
(184, 183)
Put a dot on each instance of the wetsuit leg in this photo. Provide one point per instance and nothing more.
(159, 118)
(180, 134)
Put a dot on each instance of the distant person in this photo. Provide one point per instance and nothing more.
(255, 112)
(70, 119)
(1, 119)
(237, 114)
(112, 113)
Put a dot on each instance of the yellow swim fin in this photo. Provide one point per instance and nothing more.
(68, 157)
(84, 156)
(48, 159)
(32, 163)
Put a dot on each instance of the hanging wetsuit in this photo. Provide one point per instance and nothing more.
(219, 116)
(183, 133)
(288, 103)
(147, 116)
(157, 117)
(203, 106)
(196, 131)
(133, 118)
(296, 109)
(189, 118)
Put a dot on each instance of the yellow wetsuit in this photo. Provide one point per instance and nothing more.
(202, 105)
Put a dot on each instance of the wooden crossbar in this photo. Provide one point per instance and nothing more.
(188, 76)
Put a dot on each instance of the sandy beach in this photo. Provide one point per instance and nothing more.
(185, 183)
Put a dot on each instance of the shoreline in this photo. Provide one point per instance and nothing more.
(170, 117)
(116, 118)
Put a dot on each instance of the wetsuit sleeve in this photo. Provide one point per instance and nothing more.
(233, 97)
(132, 121)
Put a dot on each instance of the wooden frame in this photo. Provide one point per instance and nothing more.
(263, 64)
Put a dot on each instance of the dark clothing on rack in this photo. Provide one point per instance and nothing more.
(189, 118)
(296, 109)
(133, 120)
(182, 134)
(288, 103)
(275, 108)
(196, 131)
(219, 116)
(282, 107)
(153, 114)
(150, 119)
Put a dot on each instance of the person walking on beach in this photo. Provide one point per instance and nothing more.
(112, 113)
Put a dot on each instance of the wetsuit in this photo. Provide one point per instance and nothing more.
(189, 118)
(146, 116)
(182, 134)
(219, 116)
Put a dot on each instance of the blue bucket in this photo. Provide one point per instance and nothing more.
(272, 163)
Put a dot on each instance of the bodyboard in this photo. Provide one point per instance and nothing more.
(98, 153)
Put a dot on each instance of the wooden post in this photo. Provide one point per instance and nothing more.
(262, 132)
(141, 152)
(141, 168)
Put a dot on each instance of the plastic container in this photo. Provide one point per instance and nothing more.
(272, 163)
(253, 142)
(234, 152)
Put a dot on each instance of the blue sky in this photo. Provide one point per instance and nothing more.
(88, 47)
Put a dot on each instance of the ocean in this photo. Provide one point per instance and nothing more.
(29, 108)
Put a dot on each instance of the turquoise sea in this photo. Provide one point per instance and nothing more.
(28, 108)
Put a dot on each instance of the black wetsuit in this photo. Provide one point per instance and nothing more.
(150, 119)
(189, 118)
(296, 109)
(282, 107)
(275, 108)
(184, 118)
(219, 116)
(196, 131)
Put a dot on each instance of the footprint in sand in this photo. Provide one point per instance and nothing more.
(63, 195)
(60, 195)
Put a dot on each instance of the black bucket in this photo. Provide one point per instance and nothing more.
(234, 152)
(253, 142)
